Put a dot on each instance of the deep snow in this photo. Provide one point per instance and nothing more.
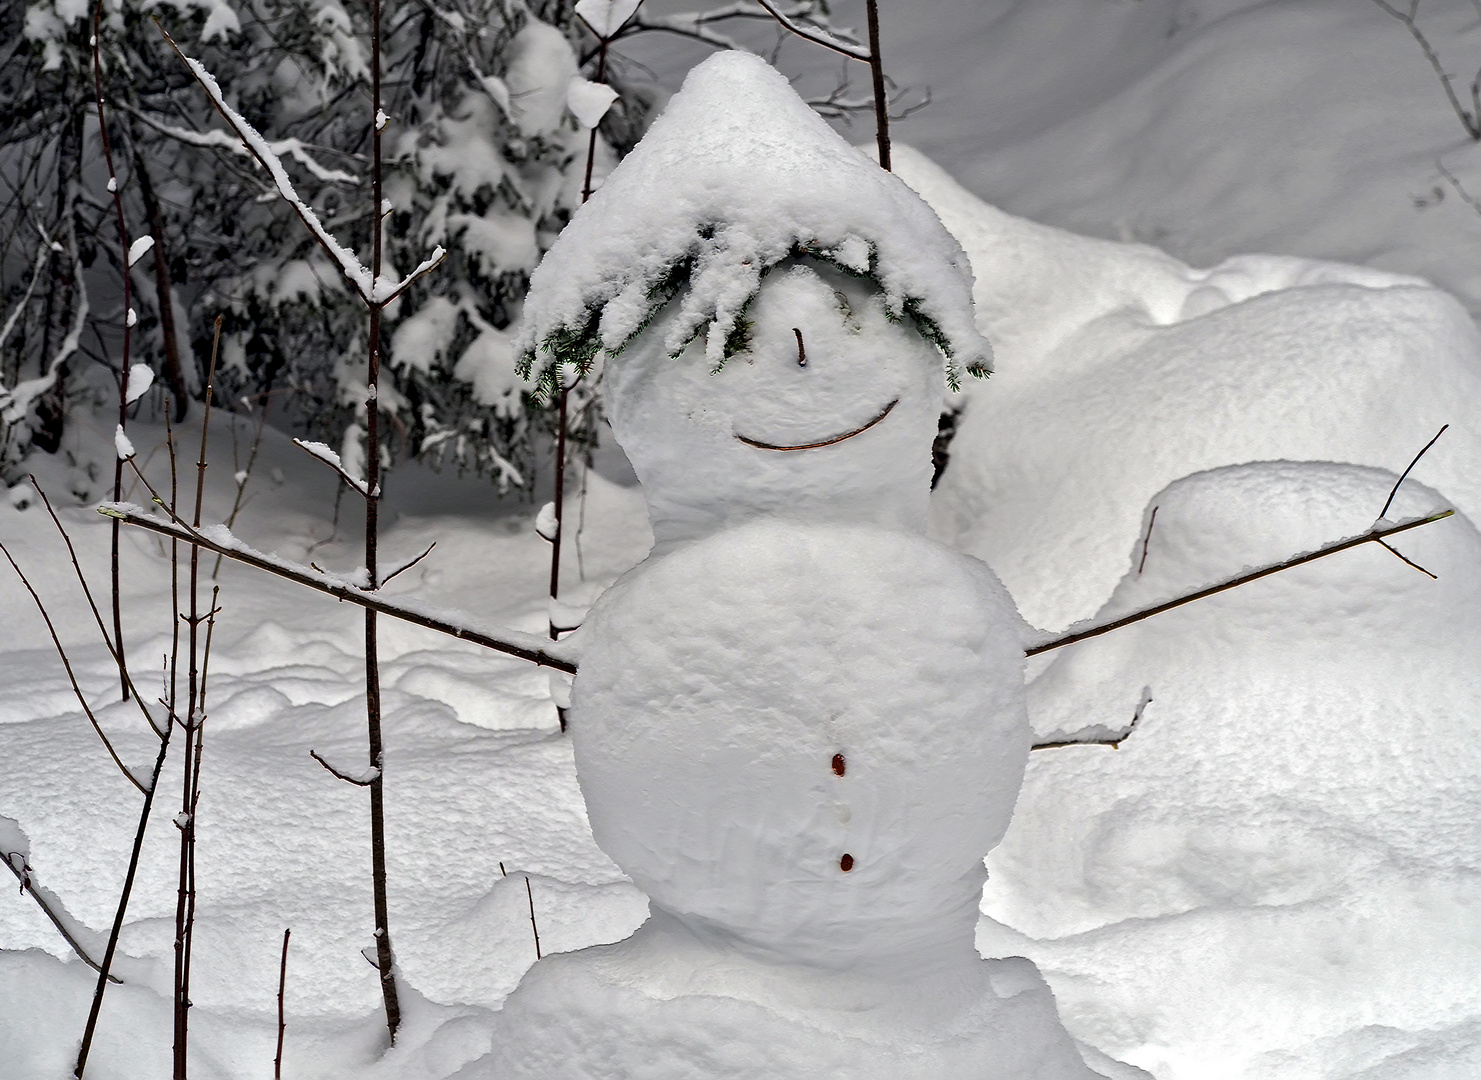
(1274, 877)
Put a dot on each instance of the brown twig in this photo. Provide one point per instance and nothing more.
(822, 442)
(408, 565)
(1373, 536)
(533, 926)
(123, 905)
(871, 56)
(1471, 121)
(343, 591)
(67, 663)
(123, 371)
(1405, 474)
(246, 474)
(373, 773)
(88, 593)
(282, 1023)
(23, 874)
(190, 774)
(1147, 539)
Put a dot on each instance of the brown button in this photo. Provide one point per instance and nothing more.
(846, 863)
(838, 764)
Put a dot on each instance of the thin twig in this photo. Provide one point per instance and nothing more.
(190, 776)
(1404, 558)
(1470, 121)
(246, 474)
(1147, 539)
(510, 644)
(23, 874)
(282, 1023)
(1405, 474)
(407, 566)
(123, 905)
(67, 663)
(1370, 537)
(817, 37)
(97, 615)
(364, 780)
(123, 369)
(533, 926)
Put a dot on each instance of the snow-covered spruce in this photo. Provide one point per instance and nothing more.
(738, 175)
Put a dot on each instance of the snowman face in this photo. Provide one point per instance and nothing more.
(828, 413)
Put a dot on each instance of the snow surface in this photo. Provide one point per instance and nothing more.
(1278, 871)
(1121, 369)
(1341, 949)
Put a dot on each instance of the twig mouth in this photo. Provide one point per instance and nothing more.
(823, 442)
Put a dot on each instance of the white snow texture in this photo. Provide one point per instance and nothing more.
(734, 176)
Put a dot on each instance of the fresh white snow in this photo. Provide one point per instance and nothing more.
(1274, 877)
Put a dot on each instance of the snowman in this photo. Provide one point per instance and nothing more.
(799, 725)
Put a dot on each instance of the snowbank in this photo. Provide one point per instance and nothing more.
(1276, 874)
(1121, 369)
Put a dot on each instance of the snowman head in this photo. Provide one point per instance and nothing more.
(825, 411)
(769, 304)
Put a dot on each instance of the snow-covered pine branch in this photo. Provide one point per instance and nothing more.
(375, 292)
(297, 149)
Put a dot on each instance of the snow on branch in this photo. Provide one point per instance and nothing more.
(16, 401)
(362, 778)
(1380, 531)
(1097, 734)
(323, 452)
(297, 149)
(15, 852)
(377, 292)
(218, 538)
(816, 34)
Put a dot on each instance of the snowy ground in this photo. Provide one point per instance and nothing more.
(1276, 876)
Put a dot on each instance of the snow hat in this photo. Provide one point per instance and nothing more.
(737, 175)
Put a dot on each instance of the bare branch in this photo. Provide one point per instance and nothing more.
(1148, 539)
(1370, 537)
(817, 35)
(510, 642)
(66, 663)
(1099, 734)
(1405, 559)
(1470, 121)
(97, 615)
(1405, 474)
(282, 1024)
(363, 779)
(533, 927)
(50, 906)
(407, 566)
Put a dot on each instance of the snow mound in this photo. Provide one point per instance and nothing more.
(1121, 369)
(737, 175)
(1277, 871)
(665, 1005)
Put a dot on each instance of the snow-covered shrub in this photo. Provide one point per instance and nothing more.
(484, 158)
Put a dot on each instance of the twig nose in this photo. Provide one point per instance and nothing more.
(801, 349)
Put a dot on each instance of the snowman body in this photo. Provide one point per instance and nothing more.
(799, 725)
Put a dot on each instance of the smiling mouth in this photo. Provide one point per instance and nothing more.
(822, 442)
